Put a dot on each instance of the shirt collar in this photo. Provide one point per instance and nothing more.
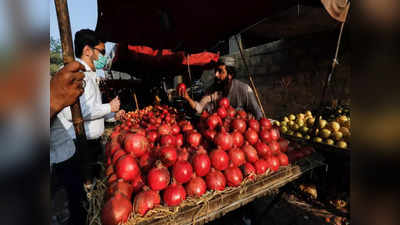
(87, 67)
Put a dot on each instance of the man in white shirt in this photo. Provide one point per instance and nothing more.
(83, 167)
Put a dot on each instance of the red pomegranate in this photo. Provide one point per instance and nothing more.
(179, 140)
(138, 184)
(261, 166)
(210, 134)
(283, 159)
(219, 159)
(237, 139)
(152, 136)
(127, 168)
(117, 155)
(146, 200)
(223, 102)
(136, 144)
(222, 113)
(168, 155)
(265, 136)
(275, 147)
(201, 164)
(251, 136)
(253, 124)
(273, 163)
(164, 129)
(239, 125)
(263, 150)
(248, 170)
(146, 162)
(122, 187)
(183, 155)
(216, 180)
(224, 140)
(234, 176)
(158, 178)
(116, 210)
(174, 195)
(275, 134)
(182, 171)
(250, 152)
(167, 140)
(231, 112)
(196, 187)
(181, 88)
(193, 139)
(265, 123)
(175, 129)
(213, 121)
(237, 157)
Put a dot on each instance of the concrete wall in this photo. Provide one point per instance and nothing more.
(289, 74)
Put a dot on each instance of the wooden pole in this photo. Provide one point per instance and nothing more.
(68, 56)
(253, 86)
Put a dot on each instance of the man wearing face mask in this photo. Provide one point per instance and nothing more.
(240, 95)
(90, 52)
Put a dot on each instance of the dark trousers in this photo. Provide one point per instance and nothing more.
(68, 175)
(89, 159)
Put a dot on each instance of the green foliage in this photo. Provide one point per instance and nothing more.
(56, 60)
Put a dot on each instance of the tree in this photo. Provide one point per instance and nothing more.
(56, 60)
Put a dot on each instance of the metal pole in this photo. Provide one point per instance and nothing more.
(253, 86)
(68, 56)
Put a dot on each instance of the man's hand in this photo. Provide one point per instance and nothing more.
(66, 86)
(183, 93)
(115, 104)
(119, 114)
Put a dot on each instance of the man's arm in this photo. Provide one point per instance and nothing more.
(65, 87)
(198, 106)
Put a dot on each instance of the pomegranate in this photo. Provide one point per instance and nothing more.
(250, 152)
(174, 195)
(137, 184)
(283, 159)
(261, 166)
(196, 187)
(242, 114)
(265, 123)
(193, 139)
(117, 155)
(146, 200)
(215, 180)
(122, 187)
(146, 162)
(237, 139)
(183, 154)
(273, 163)
(265, 136)
(248, 170)
(213, 121)
(274, 146)
(187, 126)
(182, 171)
(239, 125)
(231, 112)
(219, 159)
(222, 113)
(204, 115)
(179, 140)
(158, 178)
(116, 210)
(139, 131)
(152, 136)
(275, 134)
(224, 102)
(237, 157)
(181, 88)
(136, 144)
(224, 140)
(175, 129)
(164, 129)
(201, 164)
(263, 150)
(251, 136)
(253, 124)
(167, 140)
(283, 144)
(210, 134)
(168, 155)
(127, 168)
(234, 176)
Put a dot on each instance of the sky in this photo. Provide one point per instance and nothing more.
(82, 14)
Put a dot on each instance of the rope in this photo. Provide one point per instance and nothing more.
(190, 74)
(253, 86)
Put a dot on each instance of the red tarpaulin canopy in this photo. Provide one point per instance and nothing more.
(130, 58)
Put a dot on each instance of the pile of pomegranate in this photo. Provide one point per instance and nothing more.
(153, 158)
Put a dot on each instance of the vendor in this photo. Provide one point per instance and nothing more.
(240, 95)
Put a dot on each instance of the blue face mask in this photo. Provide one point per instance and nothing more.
(101, 62)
